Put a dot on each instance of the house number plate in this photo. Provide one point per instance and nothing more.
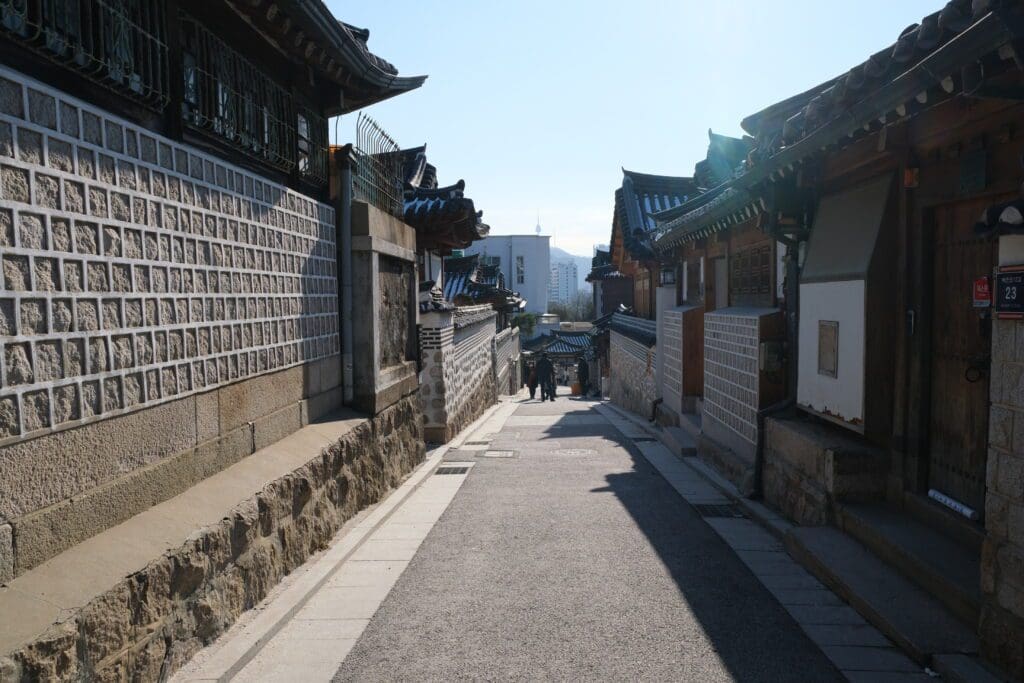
(1009, 294)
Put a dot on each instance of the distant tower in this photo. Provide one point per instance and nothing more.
(538, 222)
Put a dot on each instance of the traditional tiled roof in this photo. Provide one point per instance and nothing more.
(948, 52)
(602, 268)
(639, 329)
(431, 298)
(558, 342)
(308, 32)
(466, 279)
(1003, 218)
(641, 196)
(444, 218)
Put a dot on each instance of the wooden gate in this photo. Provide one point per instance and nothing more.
(960, 356)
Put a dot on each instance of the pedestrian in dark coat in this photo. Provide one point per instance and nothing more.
(546, 375)
(583, 375)
(531, 382)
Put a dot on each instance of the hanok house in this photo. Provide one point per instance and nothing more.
(633, 256)
(899, 183)
(611, 289)
(169, 308)
(721, 326)
(564, 349)
(460, 342)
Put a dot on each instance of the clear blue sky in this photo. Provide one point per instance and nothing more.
(538, 104)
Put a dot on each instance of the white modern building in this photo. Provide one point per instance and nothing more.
(525, 261)
(564, 282)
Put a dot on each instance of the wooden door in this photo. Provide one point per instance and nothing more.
(960, 356)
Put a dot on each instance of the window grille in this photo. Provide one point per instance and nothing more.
(520, 270)
(378, 168)
(119, 44)
(226, 95)
(751, 273)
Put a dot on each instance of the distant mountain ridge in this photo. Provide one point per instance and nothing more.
(582, 264)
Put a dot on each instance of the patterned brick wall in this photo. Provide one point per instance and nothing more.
(136, 270)
(671, 345)
(731, 372)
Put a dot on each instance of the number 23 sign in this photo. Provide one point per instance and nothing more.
(1010, 292)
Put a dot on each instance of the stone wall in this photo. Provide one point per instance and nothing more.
(473, 361)
(458, 379)
(1002, 560)
(156, 619)
(506, 361)
(153, 299)
(395, 283)
(809, 466)
(631, 380)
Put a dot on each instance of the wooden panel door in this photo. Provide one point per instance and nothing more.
(961, 347)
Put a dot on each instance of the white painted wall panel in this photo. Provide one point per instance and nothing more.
(843, 302)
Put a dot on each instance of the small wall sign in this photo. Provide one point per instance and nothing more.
(982, 292)
(1009, 294)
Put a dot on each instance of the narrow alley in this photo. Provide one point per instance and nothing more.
(572, 547)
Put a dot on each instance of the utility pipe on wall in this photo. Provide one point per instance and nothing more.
(345, 246)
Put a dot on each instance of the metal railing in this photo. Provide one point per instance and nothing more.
(377, 179)
(118, 44)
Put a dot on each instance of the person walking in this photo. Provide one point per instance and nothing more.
(546, 375)
(583, 376)
(531, 381)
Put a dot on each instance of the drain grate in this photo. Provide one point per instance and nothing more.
(451, 470)
(719, 510)
(643, 439)
(476, 443)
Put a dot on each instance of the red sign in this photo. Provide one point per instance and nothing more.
(982, 292)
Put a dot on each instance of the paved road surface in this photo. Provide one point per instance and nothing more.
(575, 559)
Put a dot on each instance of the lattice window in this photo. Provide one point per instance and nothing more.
(228, 96)
(750, 274)
(119, 44)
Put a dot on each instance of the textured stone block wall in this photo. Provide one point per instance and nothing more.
(731, 373)
(146, 290)
(458, 379)
(671, 345)
(155, 620)
(137, 270)
(1002, 561)
(437, 335)
(472, 389)
(631, 379)
(505, 345)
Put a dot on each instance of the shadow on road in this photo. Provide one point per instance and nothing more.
(752, 634)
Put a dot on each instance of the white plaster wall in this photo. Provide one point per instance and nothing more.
(536, 253)
(842, 396)
(1011, 250)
